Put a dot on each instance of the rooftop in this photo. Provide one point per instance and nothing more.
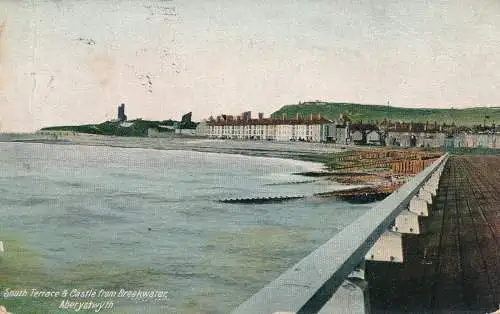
(269, 121)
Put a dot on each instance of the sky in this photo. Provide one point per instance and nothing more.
(66, 62)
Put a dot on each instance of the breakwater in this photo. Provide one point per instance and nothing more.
(361, 195)
(453, 266)
(261, 200)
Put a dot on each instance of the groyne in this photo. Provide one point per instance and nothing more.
(261, 200)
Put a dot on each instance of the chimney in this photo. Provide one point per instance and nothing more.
(297, 116)
(261, 115)
(238, 118)
(283, 117)
(218, 118)
(319, 116)
(311, 117)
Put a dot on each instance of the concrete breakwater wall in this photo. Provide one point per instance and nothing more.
(324, 281)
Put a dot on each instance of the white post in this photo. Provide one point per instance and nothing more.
(426, 195)
(418, 206)
(388, 248)
(407, 222)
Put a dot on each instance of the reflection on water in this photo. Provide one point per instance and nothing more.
(113, 218)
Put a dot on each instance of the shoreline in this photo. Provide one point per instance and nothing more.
(383, 170)
(314, 159)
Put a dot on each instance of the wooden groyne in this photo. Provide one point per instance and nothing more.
(359, 195)
(291, 182)
(411, 166)
(383, 159)
(261, 200)
(313, 173)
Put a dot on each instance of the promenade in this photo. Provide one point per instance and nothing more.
(454, 266)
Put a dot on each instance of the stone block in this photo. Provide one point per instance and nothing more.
(419, 206)
(407, 222)
(388, 248)
(425, 195)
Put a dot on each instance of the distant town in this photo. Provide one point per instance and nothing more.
(302, 128)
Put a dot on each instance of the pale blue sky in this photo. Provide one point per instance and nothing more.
(232, 55)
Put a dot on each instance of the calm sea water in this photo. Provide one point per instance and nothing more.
(91, 218)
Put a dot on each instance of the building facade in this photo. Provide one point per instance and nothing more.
(358, 133)
(335, 133)
(477, 140)
(272, 129)
(202, 129)
(373, 137)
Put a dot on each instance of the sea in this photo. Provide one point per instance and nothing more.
(96, 224)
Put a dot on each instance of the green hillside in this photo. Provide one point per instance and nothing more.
(366, 113)
(136, 127)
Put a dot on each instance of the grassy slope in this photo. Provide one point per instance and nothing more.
(138, 128)
(358, 112)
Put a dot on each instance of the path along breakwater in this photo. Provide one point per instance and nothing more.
(454, 265)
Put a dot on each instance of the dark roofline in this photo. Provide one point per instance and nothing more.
(270, 121)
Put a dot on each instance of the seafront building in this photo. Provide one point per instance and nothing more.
(310, 129)
(336, 132)
(473, 140)
(362, 134)
(202, 128)
(415, 135)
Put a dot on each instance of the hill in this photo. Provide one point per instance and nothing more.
(130, 128)
(366, 113)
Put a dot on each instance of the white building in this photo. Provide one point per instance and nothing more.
(299, 129)
(357, 136)
(415, 139)
(202, 129)
(363, 134)
(335, 133)
(373, 137)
